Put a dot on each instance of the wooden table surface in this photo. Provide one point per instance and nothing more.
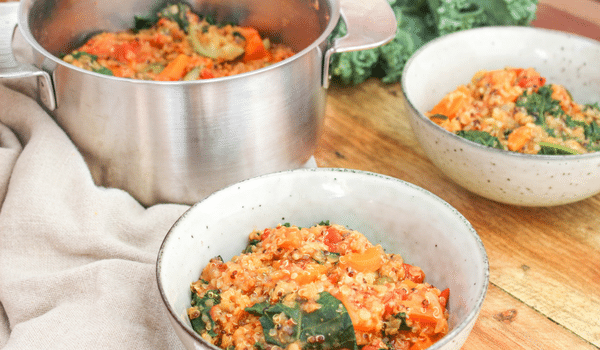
(544, 290)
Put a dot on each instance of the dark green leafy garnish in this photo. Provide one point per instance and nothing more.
(591, 131)
(78, 54)
(439, 116)
(480, 137)
(204, 323)
(175, 12)
(595, 106)
(103, 70)
(553, 149)
(327, 328)
(539, 104)
(251, 245)
(178, 14)
(94, 66)
(324, 256)
(395, 324)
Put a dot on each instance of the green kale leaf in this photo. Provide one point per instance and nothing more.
(175, 12)
(251, 245)
(553, 149)
(480, 137)
(93, 58)
(592, 132)
(419, 21)
(595, 106)
(204, 323)
(327, 328)
(539, 104)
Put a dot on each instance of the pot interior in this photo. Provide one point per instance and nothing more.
(60, 26)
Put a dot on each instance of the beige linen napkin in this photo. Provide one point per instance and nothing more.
(76, 260)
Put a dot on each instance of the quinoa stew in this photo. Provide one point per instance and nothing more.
(319, 287)
(515, 109)
(177, 44)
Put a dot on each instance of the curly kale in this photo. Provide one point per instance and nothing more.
(418, 22)
(413, 31)
(175, 12)
(480, 137)
(352, 67)
(540, 104)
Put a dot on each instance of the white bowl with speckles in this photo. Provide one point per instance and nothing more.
(402, 217)
(508, 177)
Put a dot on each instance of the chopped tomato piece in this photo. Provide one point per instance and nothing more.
(413, 273)
(444, 295)
(127, 51)
(331, 239)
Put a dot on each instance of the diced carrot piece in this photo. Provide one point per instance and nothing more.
(292, 240)
(369, 261)
(423, 319)
(368, 324)
(254, 49)
(451, 104)
(310, 273)
(519, 138)
(175, 70)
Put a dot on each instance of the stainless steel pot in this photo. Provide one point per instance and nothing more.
(180, 141)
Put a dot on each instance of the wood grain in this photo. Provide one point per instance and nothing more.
(544, 262)
(506, 323)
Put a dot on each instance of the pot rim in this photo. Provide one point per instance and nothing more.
(23, 24)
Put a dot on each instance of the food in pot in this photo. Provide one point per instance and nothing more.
(175, 45)
(319, 287)
(514, 109)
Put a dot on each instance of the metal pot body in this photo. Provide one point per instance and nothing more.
(180, 141)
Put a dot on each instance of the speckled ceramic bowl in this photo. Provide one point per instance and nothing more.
(508, 177)
(403, 218)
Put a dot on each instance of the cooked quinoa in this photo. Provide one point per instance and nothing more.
(515, 110)
(319, 287)
(175, 45)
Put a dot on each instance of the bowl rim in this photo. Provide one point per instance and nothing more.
(466, 324)
(468, 143)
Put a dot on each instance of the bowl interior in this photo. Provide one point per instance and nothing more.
(447, 62)
(401, 217)
(443, 64)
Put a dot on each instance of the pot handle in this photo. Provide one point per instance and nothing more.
(369, 23)
(10, 68)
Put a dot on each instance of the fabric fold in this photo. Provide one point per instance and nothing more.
(77, 261)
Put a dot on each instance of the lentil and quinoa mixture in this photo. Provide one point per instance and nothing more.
(175, 45)
(515, 110)
(319, 287)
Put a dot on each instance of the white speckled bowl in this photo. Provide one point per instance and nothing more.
(508, 177)
(403, 218)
